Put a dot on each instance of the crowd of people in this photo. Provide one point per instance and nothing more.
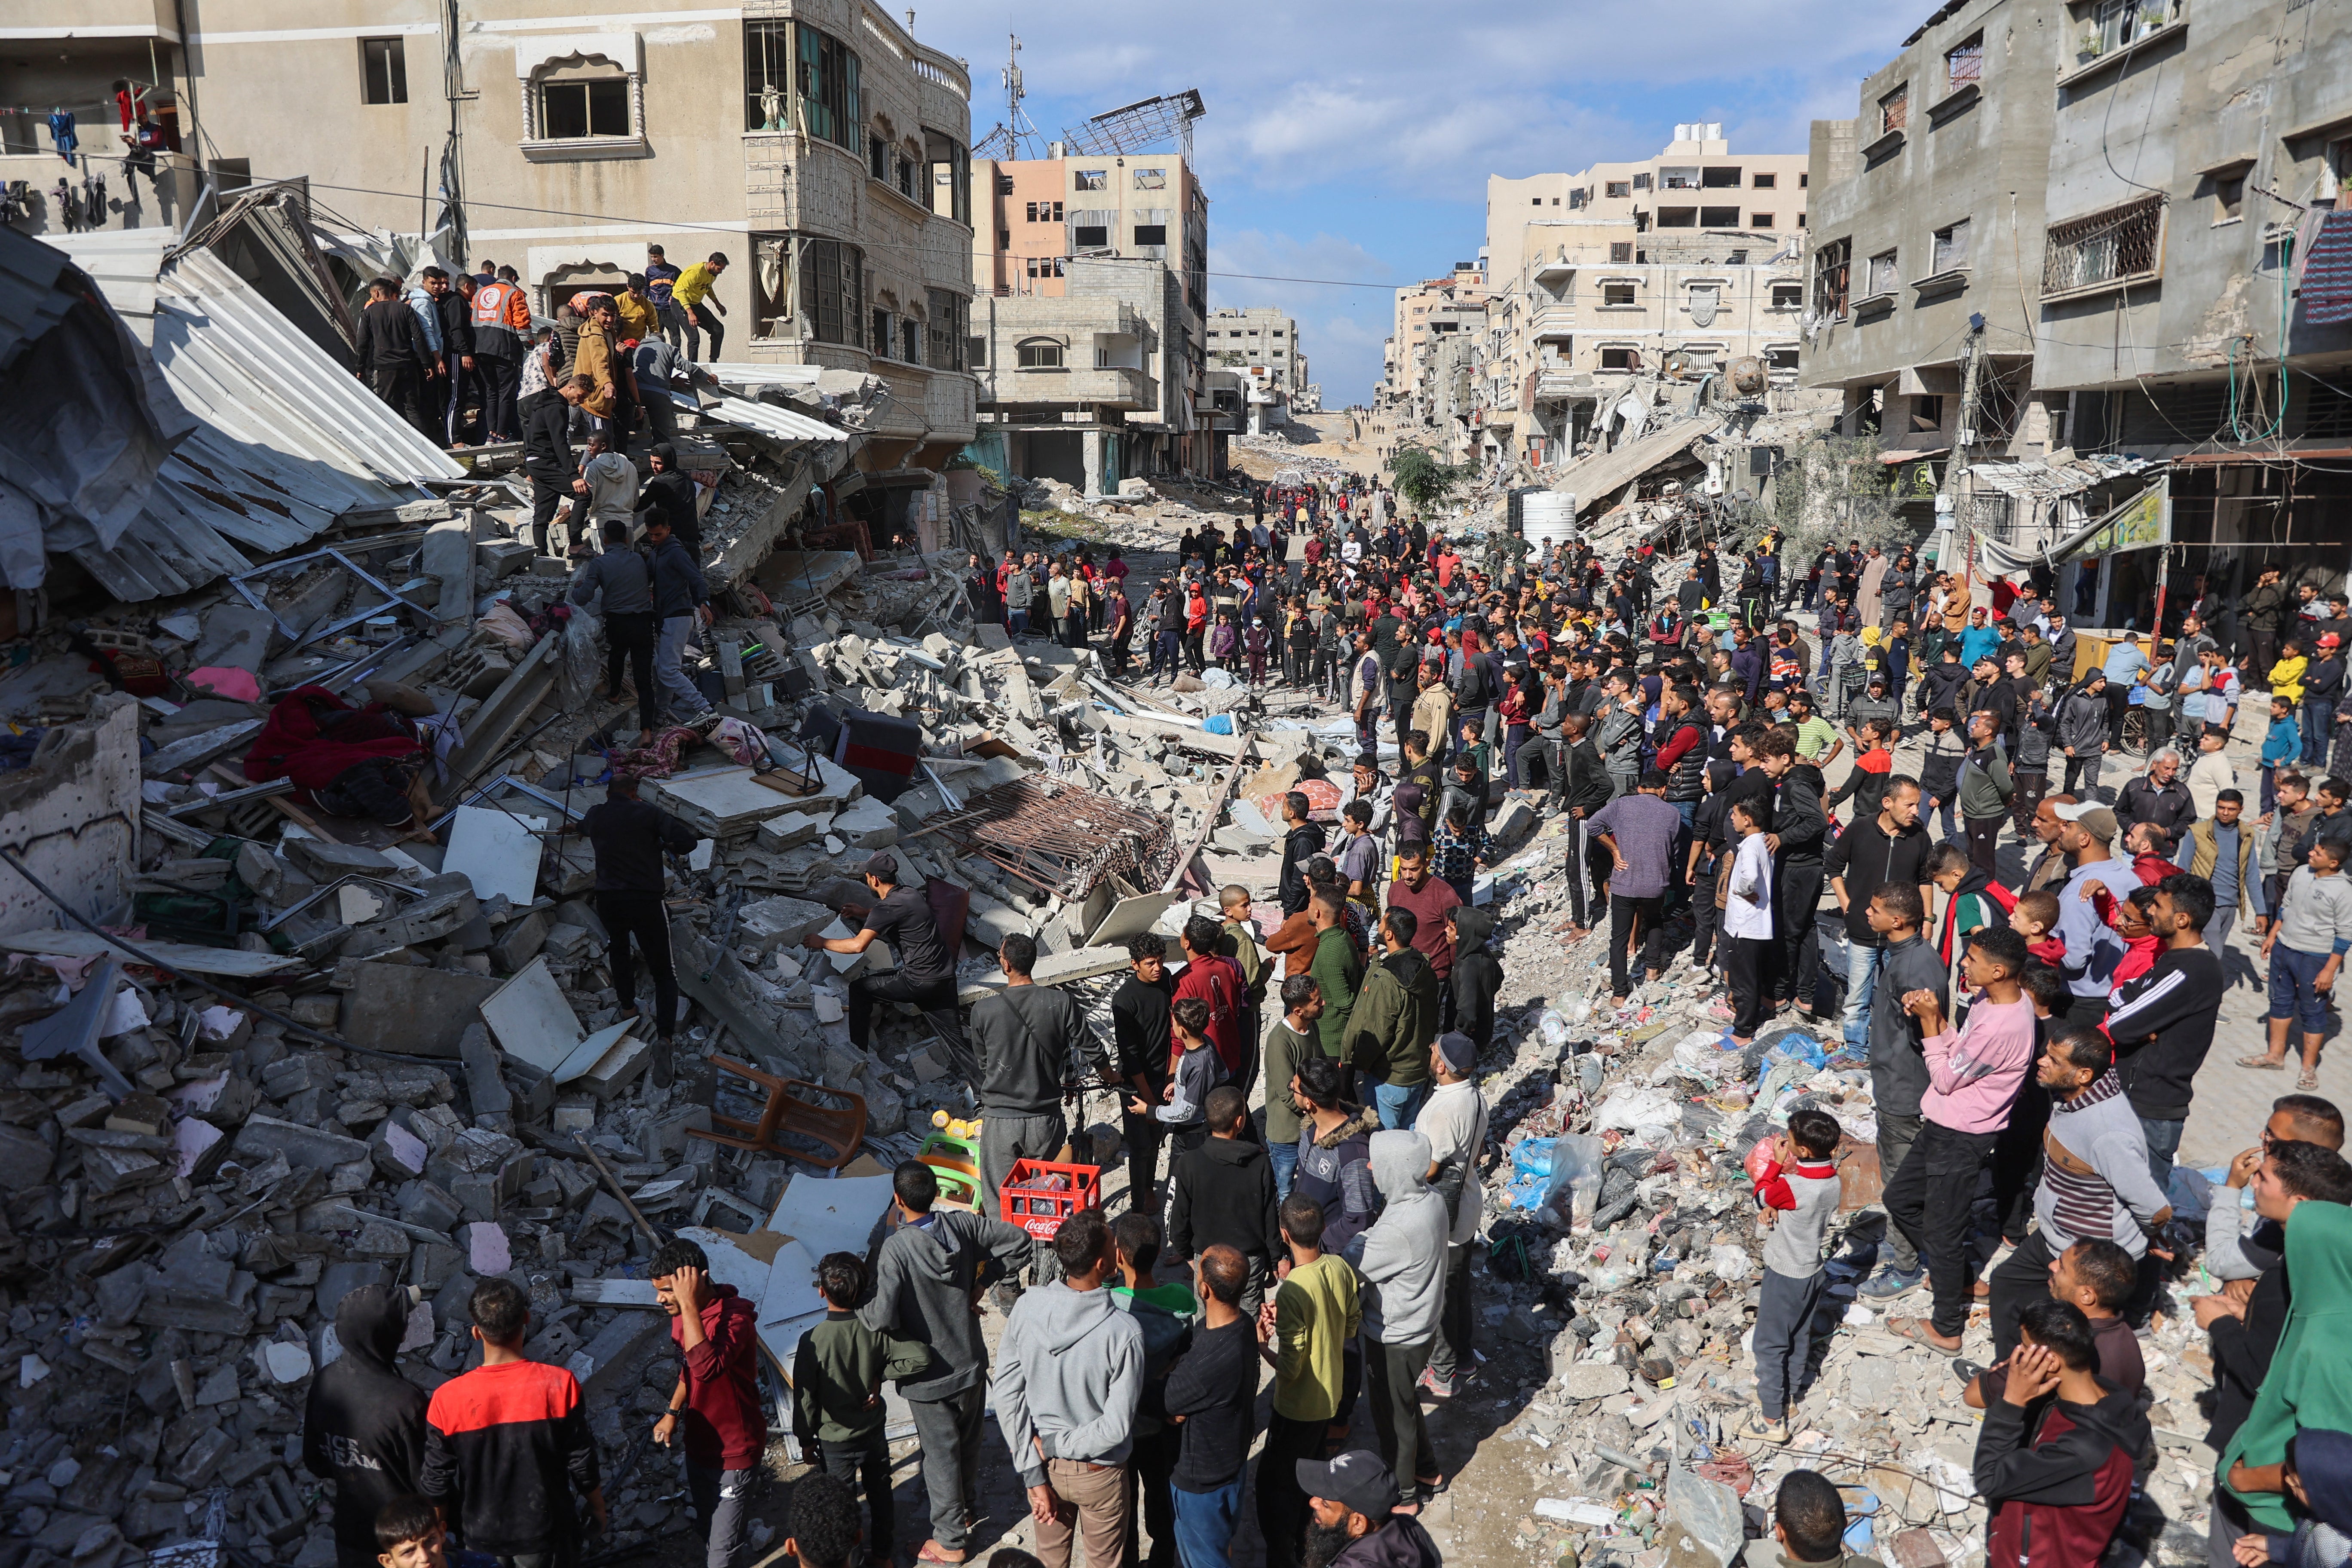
(2033, 1032)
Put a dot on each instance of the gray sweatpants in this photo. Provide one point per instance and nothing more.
(949, 1431)
(686, 698)
(1784, 1337)
(722, 1502)
(1007, 1136)
(1895, 1136)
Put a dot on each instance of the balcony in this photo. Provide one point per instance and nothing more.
(1554, 268)
(97, 20)
(1111, 386)
(132, 202)
(1552, 321)
(1561, 384)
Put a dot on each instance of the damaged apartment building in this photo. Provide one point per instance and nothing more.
(1087, 327)
(2079, 270)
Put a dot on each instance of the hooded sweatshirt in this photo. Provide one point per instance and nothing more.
(1335, 1170)
(1069, 1373)
(1477, 975)
(1223, 1191)
(1395, 1020)
(2309, 1384)
(363, 1424)
(922, 1290)
(725, 1425)
(2059, 1486)
(1402, 1257)
(2323, 1538)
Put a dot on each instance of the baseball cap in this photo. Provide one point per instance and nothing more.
(882, 865)
(2329, 640)
(2096, 820)
(1357, 1478)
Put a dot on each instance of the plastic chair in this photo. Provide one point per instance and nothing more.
(837, 1131)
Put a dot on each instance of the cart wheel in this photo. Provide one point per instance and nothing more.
(2136, 731)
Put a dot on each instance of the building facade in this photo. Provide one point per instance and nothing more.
(1676, 265)
(816, 143)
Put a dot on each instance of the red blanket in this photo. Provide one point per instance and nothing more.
(306, 741)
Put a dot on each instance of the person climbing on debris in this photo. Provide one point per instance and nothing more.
(926, 971)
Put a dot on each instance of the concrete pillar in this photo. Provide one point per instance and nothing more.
(1092, 445)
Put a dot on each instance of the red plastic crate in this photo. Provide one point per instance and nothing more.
(1040, 1210)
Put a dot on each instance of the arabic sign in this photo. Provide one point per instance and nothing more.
(2140, 523)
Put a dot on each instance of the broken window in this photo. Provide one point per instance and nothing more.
(383, 70)
(1788, 296)
(1766, 181)
(1883, 277)
(950, 162)
(1761, 220)
(767, 74)
(1642, 182)
(1152, 179)
(1618, 293)
(2122, 21)
(1093, 179)
(1003, 184)
(1151, 234)
(1781, 359)
(772, 285)
(1620, 188)
(1095, 236)
(2121, 243)
(1927, 411)
(1678, 217)
(2229, 197)
(1720, 179)
(827, 100)
(950, 324)
(1952, 248)
(1833, 272)
(1621, 252)
(1964, 63)
(1895, 109)
(833, 290)
(1030, 212)
(1041, 353)
(877, 161)
(1620, 359)
(976, 352)
(1678, 179)
(910, 341)
(1719, 217)
(880, 342)
(570, 109)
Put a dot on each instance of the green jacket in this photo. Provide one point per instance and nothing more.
(1337, 970)
(837, 1376)
(1395, 1019)
(1985, 789)
(1248, 958)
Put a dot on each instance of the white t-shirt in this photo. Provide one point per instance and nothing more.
(1454, 1119)
(1749, 911)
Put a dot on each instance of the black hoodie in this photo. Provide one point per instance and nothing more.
(1476, 975)
(1222, 1191)
(363, 1424)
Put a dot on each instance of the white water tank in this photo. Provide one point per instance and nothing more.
(1548, 518)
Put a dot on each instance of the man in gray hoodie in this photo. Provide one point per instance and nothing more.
(1068, 1377)
(1403, 1261)
(1024, 1038)
(923, 1285)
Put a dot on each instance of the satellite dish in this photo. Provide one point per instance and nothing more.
(1747, 374)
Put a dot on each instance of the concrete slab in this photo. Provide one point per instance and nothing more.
(496, 852)
(1129, 916)
(236, 634)
(531, 1020)
(412, 1010)
(724, 802)
(831, 1215)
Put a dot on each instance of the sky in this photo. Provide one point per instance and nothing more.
(1351, 143)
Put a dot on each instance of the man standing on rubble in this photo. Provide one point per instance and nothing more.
(681, 602)
(547, 456)
(619, 578)
(393, 356)
(363, 1424)
(1302, 840)
(926, 971)
(1025, 1038)
(629, 837)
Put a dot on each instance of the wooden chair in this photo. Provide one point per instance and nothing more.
(835, 1131)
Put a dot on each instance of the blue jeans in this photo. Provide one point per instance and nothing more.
(2293, 994)
(1861, 985)
(1015, 622)
(2164, 1142)
(684, 698)
(1204, 1525)
(1284, 1157)
(2318, 729)
(1397, 1103)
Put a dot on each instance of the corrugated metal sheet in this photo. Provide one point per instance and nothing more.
(288, 440)
(30, 300)
(746, 372)
(2052, 480)
(769, 420)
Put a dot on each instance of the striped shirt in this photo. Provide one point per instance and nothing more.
(2085, 1202)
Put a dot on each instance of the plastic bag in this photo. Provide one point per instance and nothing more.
(1729, 1264)
(1759, 1157)
(1554, 1029)
(1534, 1156)
(1575, 1186)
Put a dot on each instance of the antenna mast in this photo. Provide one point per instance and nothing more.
(1012, 137)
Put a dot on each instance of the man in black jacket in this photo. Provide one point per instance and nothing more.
(1872, 852)
(1802, 827)
(363, 1424)
(2162, 1021)
(456, 381)
(547, 456)
(1221, 1192)
(395, 360)
(671, 489)
(2157, 795)
(629, 836)
(1301, 841)
(1213, 1390)
(1139, 1037)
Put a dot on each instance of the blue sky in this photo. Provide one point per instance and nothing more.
(1353, 142)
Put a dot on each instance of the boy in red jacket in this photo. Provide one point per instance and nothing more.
(717, 1399)
(2057, 1485)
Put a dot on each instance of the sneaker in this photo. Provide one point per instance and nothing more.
(1436, 1388)
(1763, 1429)
(1966, 1370)
(1889, 1283)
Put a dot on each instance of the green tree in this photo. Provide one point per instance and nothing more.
(1421, 480)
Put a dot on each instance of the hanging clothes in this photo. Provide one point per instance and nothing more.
(61, 132)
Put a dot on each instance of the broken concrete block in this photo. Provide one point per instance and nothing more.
(305, 1148)
(598, 1363)
(485, 1089)
(323, 862)
(1703, 1527)
(792, 828)
(868, 824)
(780, 922)
(408, 1009)
(422, 1204)
(519, 943)
(25, 1158)
(447, 557)
(398, 1154)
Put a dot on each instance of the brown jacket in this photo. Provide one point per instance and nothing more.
(594, 360)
